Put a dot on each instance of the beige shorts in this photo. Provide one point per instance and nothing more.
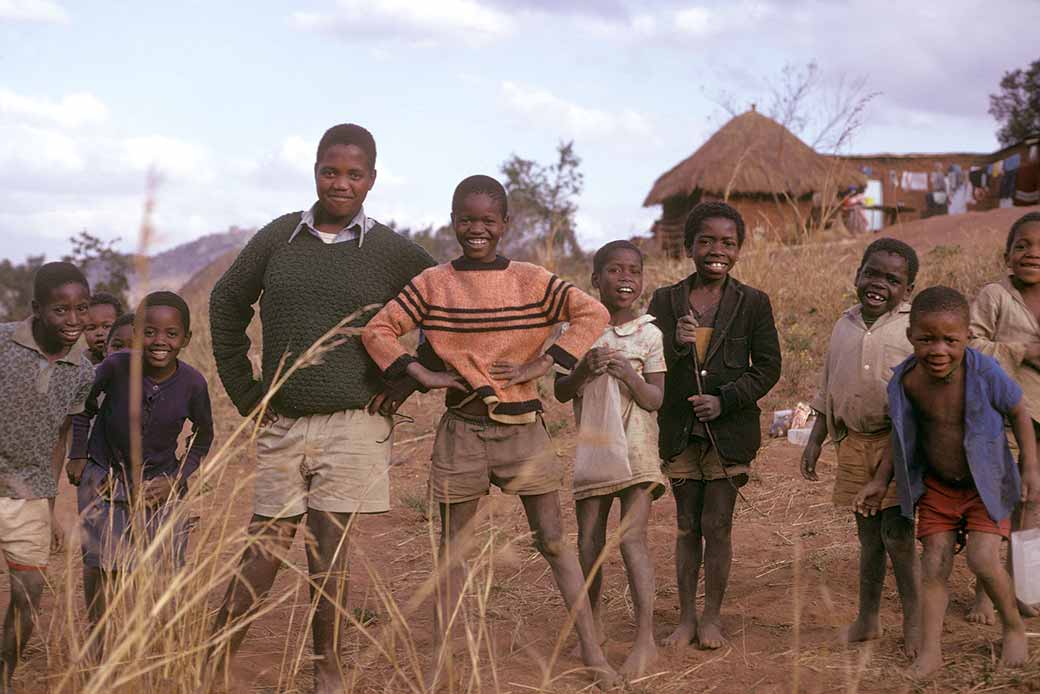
(337, 462)
(859, 456)
(472, 453)
(25, 532)
(700, 462)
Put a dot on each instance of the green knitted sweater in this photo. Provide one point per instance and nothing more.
(305, 288)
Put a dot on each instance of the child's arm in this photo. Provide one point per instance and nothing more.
(1022, 425)
(157, 489)
(811, 454)
(868, 501)
(81, 422)
(985, 315)
(567, 386)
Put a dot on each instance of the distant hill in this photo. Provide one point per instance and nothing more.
(173, 268)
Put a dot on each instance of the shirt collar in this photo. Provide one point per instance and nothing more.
(856, 315)
(354, 229)
(23, 335)
(632, 326)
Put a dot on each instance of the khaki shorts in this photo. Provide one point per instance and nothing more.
(337, 462)
(700, 462)
(859, 456)
(472, 453)
(25, 532)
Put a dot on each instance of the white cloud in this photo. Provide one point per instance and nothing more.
(167, 156)
(425, 22)
(32, 11)
(73, 110)
(543, 108)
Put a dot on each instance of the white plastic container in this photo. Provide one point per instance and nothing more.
(799, 437)
(1025, 558)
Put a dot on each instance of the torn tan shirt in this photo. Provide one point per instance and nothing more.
(1002, 326)
(859, 364)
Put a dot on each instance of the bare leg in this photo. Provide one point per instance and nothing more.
(867, 625)
(543, 517)
(984, 561)
(936, 565)
(635, 512)
(456, 534)
(897, 533)
(327, 563)
(592, 514)
(271, 539)
(689, 502)
(716, 524)
(26, 589)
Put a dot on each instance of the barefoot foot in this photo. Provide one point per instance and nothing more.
(926, 664)
(1016, 648)
(604, 676)
(1028, 611)
(709, 634)
(639, 660)
(682, 636)
(861, 630)
(911, 637)
(981, 611)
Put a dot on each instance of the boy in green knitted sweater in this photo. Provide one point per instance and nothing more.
(319, 453)
(487, 318)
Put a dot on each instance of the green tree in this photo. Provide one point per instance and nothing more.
(1017, 106)
(16, 288)
(542, 206)
(107, 269)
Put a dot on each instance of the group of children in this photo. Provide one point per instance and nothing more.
(662, 400)
(921, 399)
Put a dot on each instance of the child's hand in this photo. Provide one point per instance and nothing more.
(1031, 488)
(868, 501)
(686, 330)
(514, 374)
(597, 360)
(74, 470)
(706, 407)
(620, 367)
(810, 456)
(436, 379)
(269, 417)
(57, 534)
(157, 490)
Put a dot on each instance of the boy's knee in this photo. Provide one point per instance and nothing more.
(717, 526)
(983, 561)
(898, 534)
(633, 541)
(549, 547)
(687, 525)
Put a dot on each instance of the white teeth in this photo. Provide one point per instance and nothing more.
(625, 290)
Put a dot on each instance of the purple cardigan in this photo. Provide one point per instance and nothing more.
(165, 407)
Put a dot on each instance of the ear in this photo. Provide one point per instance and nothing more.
(36, 308)
(595, 280)
(908, 334)
(187, 339)
(1007, 260)
(909, 291)
(689, 251)
(374, 173)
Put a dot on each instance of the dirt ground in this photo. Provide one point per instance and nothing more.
(793, 585)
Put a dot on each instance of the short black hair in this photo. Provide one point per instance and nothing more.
(896, 247)
(173, 301)
(124, 319)
(939, 299)
(603, 254)
(50, 276)
(708, 210)
(1029, 218)
(480, 184)
(348, 134)
(106, 299)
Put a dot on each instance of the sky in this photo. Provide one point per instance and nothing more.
(226, 101)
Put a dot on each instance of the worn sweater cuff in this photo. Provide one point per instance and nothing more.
(398, 368)
(250, 398)
(562, 357)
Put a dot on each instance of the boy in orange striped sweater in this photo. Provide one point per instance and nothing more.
(488, 317)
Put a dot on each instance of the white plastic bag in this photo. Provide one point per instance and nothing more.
(602, 452)
(1025, 558)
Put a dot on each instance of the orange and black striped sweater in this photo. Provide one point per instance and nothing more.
(475, 314)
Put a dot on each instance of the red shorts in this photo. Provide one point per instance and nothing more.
(944, 509)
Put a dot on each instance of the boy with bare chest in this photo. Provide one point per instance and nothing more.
(952, 462)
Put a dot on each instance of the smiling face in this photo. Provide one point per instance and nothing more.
(479, 223)
(343, 177)
(61, 318)
(939, 340)
(164, 338)
(882, 284)
(1024, 258)
(620, 281)
(99, 321)
(715, 248)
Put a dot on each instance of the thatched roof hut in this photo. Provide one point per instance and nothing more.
(758, 166)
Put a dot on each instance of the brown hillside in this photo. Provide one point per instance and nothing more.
(925, 234)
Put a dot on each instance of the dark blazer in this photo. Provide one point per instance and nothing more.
(742, 365)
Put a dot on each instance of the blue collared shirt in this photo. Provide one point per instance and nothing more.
(989, 396)
(354, 229)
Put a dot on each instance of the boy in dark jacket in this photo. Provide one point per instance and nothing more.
(723, 355)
